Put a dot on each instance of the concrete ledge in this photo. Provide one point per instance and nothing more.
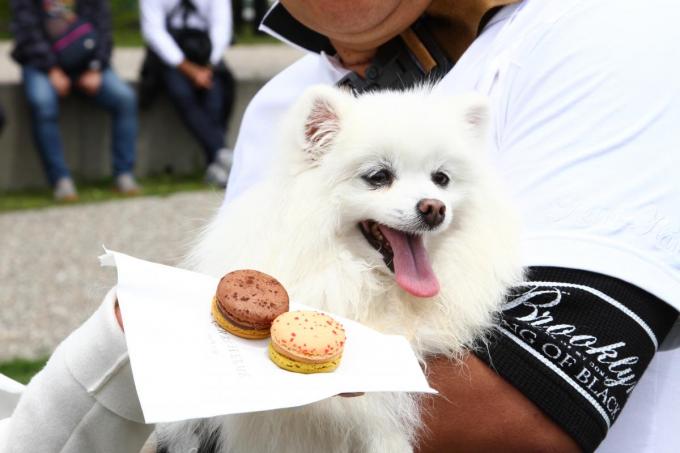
(163, 145)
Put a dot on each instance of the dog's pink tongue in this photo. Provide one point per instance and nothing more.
(411, 263)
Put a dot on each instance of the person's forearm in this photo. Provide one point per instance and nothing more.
(156, 34)
(84, 399)
(220, 30)
(478, 411)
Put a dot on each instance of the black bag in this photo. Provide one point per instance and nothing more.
(76, 47)
(195, 43)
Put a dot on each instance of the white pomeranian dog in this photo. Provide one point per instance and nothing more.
(384, 209)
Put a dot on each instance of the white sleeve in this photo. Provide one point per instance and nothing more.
(586, 123)
(221, 28)
(156, 34)
(256, 145)
(84, 400)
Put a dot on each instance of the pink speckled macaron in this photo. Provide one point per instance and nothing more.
(306, 342)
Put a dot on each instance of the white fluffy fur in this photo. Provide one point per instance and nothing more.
(301, 227)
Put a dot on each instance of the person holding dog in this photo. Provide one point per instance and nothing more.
(576, 111)
(64, 46)
(581, 113)
(187, 39)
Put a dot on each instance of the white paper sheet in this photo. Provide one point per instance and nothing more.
(185, 367)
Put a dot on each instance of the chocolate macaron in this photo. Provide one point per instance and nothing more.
(247, 302)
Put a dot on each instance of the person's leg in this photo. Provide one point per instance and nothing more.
(118, 98)
(2, 119)
(229, 87)
(44, 106)
(193, 113)
(212, 102)
(218, 102)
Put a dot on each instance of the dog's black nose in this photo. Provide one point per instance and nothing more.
(431, 211)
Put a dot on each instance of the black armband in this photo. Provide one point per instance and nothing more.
(576, 343)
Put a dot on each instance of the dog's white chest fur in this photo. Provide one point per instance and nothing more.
(374, 203)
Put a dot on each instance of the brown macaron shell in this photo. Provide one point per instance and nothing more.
(308, 336)
(251, 299)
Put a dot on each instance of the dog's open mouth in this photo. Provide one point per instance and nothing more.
(404, 254)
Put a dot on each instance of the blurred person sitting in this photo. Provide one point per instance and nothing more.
(258, 10)
(65, 46)
(187, 39)
(2, 119)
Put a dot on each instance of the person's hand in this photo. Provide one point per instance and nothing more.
(60, 81)
(200, 76)
(90, 81)
(119, 317)
(203, 78)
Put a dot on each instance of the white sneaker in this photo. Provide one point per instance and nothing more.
(127, 185)
(216, 175)
(225, 158)
(65, 190)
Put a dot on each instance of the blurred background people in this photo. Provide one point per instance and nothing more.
(64, 46)
(2, 119)
(188, 38)
(258, 9)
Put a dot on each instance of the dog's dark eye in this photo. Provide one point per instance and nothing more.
(440, 178)
(380, 178)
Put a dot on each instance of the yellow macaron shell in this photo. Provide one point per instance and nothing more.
(301, 367)
(308, 337)
(224, 323)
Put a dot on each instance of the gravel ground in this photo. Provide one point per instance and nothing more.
(50, 278)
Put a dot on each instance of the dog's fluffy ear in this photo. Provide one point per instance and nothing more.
(320, 111)
(475, 110)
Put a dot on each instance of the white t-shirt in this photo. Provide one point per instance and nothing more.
(585, 98)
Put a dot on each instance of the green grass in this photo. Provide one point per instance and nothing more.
(127, 38)
(131, 37)
(99, 191)
(22, 370)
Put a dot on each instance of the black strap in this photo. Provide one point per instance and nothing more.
(395, 67)
(186, 8)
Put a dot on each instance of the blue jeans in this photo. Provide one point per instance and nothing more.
(114, 95)
(202, 111)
